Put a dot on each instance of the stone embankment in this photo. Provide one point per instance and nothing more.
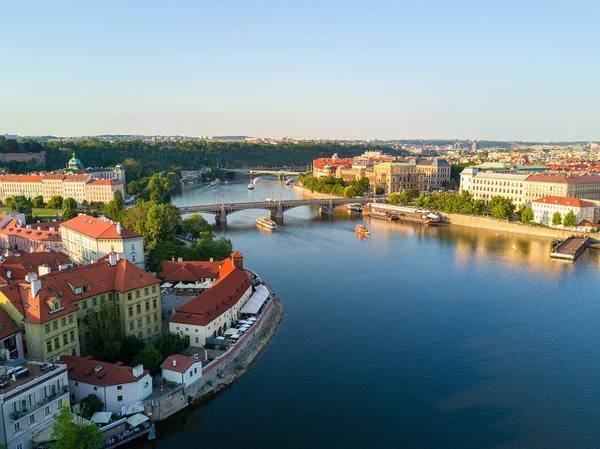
(306, 193)
(223, 371)
(501, 225)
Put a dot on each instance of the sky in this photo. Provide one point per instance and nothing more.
(498, 70)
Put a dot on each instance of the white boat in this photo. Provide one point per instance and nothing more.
(266, 223)
(289, 182)
(250, 186)
(270, 199)
(212, 184)
(226, 182)
(257, 180)
(355, 207)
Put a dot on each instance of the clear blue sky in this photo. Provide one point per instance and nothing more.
(508, 70)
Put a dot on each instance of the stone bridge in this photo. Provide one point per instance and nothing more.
(275, 207)
(279, 172)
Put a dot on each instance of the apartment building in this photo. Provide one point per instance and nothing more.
(52, 308)
(87, 239)
(544, 208)
(21, 237)
(437, 172)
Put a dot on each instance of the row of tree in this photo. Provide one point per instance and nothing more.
(335, 186)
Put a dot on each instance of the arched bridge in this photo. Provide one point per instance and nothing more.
(279, 172)
(276, 208)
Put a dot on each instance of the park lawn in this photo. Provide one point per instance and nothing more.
(40, 213)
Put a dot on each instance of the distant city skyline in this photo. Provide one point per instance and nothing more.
(508, 71)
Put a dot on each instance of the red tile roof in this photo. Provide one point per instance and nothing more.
(29, 263)
(12, 229)
(83, 369)
(99, 277)
(33, 178)
(220, 297)
(97, 228)
(105, 182)
(182, 363)
(586, 223)
(76, 177)
(189, 271)
(562, 179)
(323, 161)
(7, 326)
(564, 201)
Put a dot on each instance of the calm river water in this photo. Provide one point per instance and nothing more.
(417, 337)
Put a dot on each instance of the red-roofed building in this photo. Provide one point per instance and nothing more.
(213, 311)
(21, 237)
(103, 190)
(115, 384)
(189, 271)
(14, 267)
(544, 208)
(327, 166)
(181, 369)
(10, 337)
(87, 239)
(53, 308)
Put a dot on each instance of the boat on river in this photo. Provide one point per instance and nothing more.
(361, 231)
(289, 182)
(266, 223)
(405, 213)
(212, 183)
(257, 180)
(356, 207)
(250, 186)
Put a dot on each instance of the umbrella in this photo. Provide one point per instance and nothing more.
(101, 417)
(137, 419)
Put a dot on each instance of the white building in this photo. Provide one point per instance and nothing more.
(486, 185)
(181, 369)
(29, 400)
(86, 239)
(115, 384)
(544, 208)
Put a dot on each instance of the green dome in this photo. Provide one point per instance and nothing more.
(74, 162)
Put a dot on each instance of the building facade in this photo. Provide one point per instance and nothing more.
(20, 237)
(115, 384)
(53, 308)
(87, 239)
(29, 400)
(437, 172)
(180, 369)
(544, 208)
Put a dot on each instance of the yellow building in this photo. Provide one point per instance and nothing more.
(390, 176)
(52, 309)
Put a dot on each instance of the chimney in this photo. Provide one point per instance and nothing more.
(44, 269)
(180, 259)
(28, 226)
(112, 259)
(174, 361)
(52, 229)
(30, 277)
(119, 228)
(138, 370)
(211, 259)
(9, 273)
(36, 286)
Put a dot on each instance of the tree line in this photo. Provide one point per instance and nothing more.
(335, 186)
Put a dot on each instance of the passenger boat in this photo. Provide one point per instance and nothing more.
(406, 213)
(257, 180)
(355, 207)
(362, 231)
(250, 186)
(266, 223)
(289, 182)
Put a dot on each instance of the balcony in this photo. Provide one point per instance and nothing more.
(14, 416)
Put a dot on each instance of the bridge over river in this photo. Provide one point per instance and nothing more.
(275, 207)
(280, 172)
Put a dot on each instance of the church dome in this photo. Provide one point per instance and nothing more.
(74, 163)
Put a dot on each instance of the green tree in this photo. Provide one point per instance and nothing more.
(570, 220)
(379, 190)
(162, 224)
(38, 202)
(501, 207)
(130, 348)
(55, 202)
(134, 188)
(195, 225)
(556, 219)
(90, 405)
(72, 433)
(527, 215)
(22, 205)
(69, 213)
(170, 343)
(114, 208)
(149, 357)
(69, 203)
(105, 333)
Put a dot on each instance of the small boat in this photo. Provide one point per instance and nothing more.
(270, 199)
(226, 182)
(355, 207)
(250, 186)
(266, 223)
(257, 180)
(152, 434)
(213, 183)
(362, 231)
(289, 182)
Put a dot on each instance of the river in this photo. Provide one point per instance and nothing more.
(420, 337)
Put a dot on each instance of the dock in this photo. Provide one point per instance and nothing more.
(571, 248)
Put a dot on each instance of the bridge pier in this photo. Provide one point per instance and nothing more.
(327, 209)
(221, 219)
(277, 215)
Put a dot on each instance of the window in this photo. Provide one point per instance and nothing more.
(73, 351)
(65, 339)
(119, 387)
(131, 326)
(133, 257)
(155, 317)
(140, 334)
(17, 427)
(72, 335)
(129, 296)
(94, 301)
(191, 373)
(140, 322)
(70, 319)
(54, 325)
(138, 308)
(195, 370)
(19, 446)
(154, 303)
(95, 388)
(76, 383)
(148, 331)
(119, 398)
(56, 343)
(154, 289)
(155, 328)
(47, 410)
(146, 291)
(196, 339)
(59, 402)
(63, 322)
(47, 328)
(147, 306)
(137, 293)
(84, 305)
(132, 246)
(130, 311)
(102, 299)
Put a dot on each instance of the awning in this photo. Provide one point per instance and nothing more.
(206, 284)
(101, 417)
(180, 285)
(167, 285)
(46, 434)
(256, 300)
(136, 420)
(134, 407)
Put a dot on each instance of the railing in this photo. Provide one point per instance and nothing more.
(39, 404)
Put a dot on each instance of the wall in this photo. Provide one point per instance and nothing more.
(499, 225)
(131, 392)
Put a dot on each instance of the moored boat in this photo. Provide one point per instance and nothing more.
(266, 223)
(355, 207)
(289, 182)
(406, 213)
(257, 180)
(212, 183)
(250, 186)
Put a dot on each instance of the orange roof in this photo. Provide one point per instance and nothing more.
(12, 178)
(52, 176)
(587, 224)
(29, 263)
(97, 228)
(105, 182)
(189, 271)
(33, 178)
(83, 369)
(212, 303)
(236, 253)
(99, 277)
(76, 177)
(561, 179)
(12, 229)
(564, 201)
(182, 363)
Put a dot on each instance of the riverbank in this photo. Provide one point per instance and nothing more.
(306, 193)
